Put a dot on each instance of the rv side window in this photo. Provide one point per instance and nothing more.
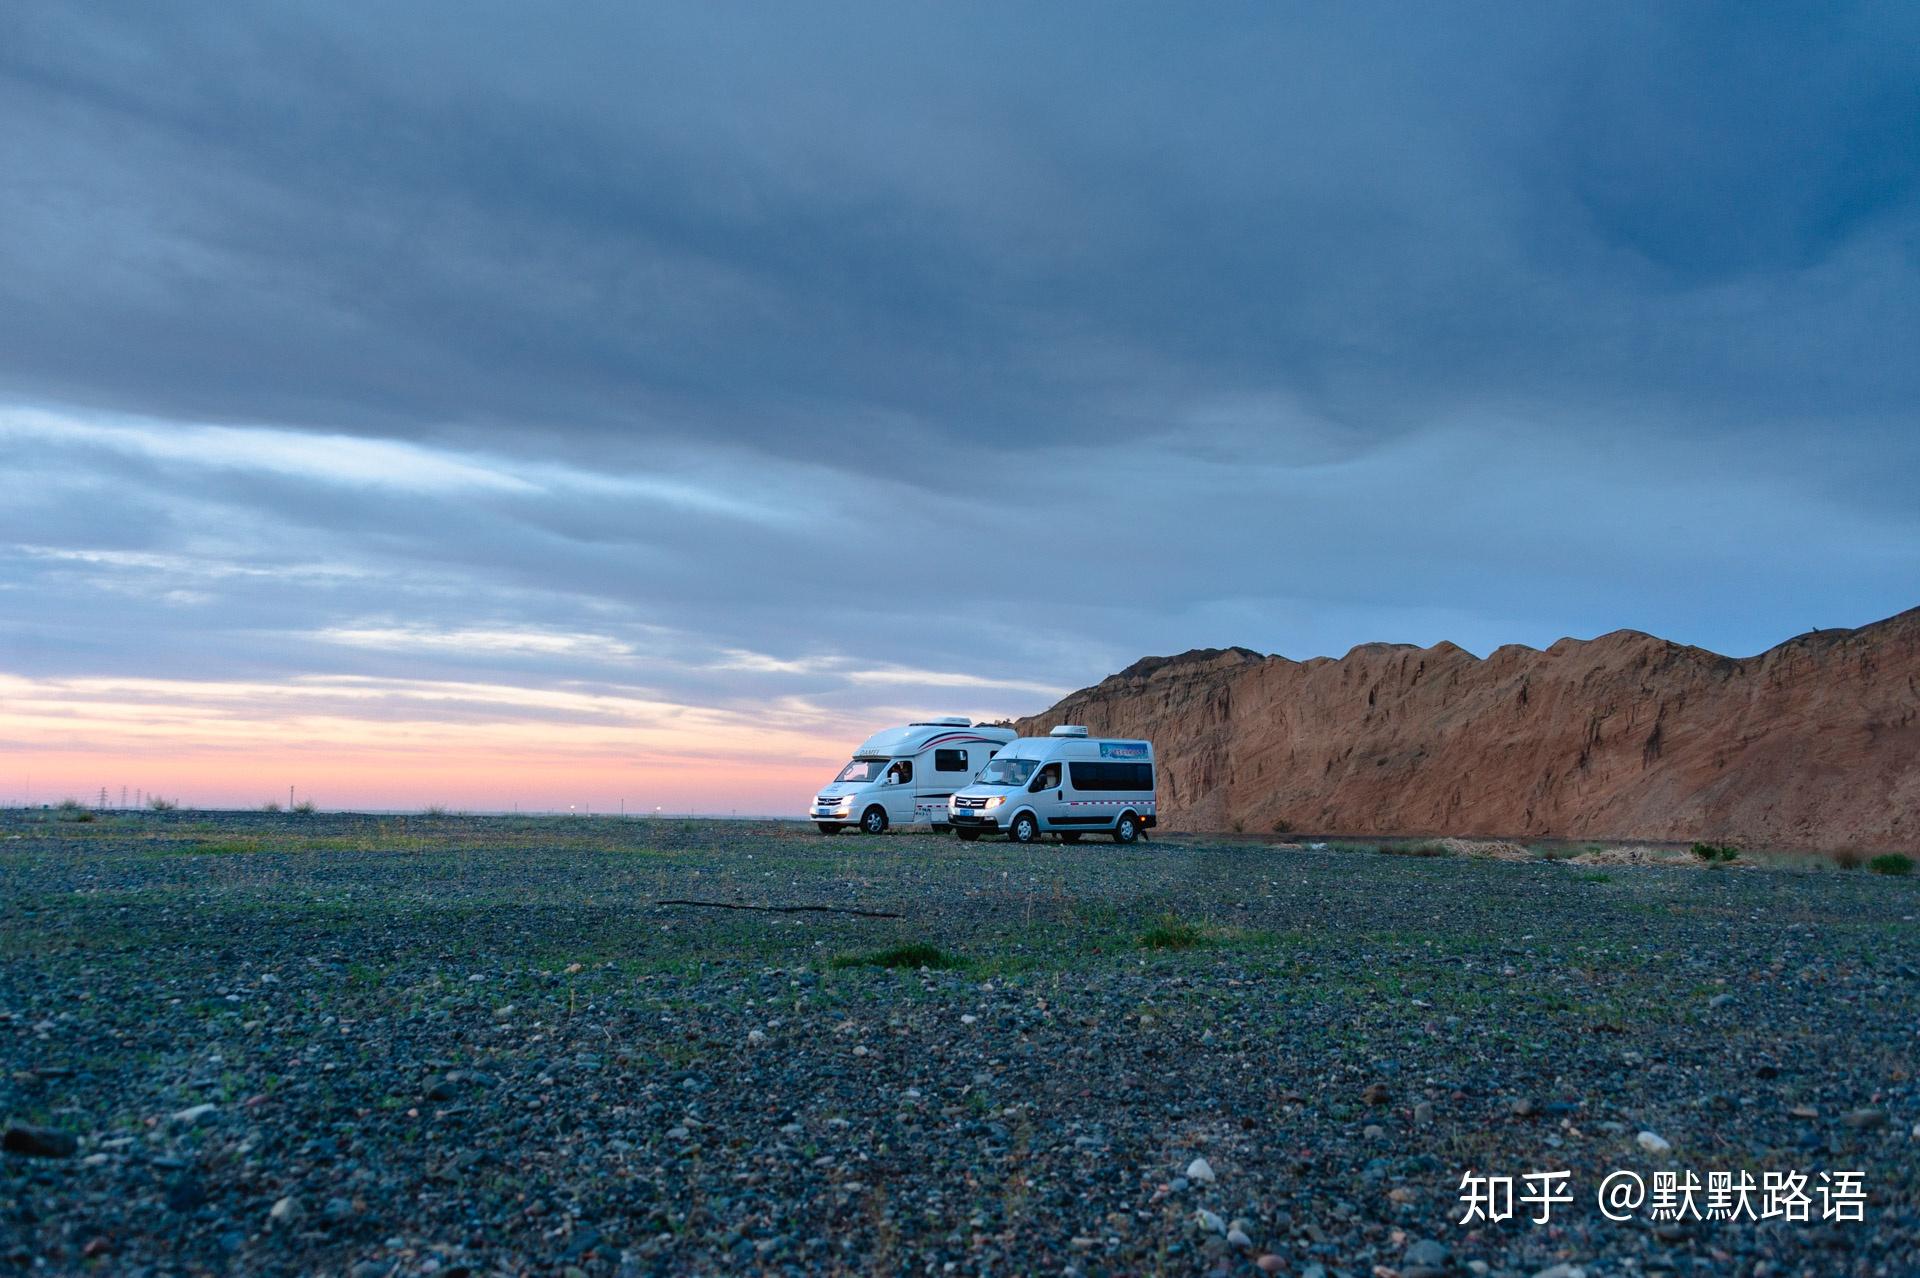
(901, 772)
(949, 760)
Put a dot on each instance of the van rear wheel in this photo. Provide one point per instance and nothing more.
(1025, 828)
(828, 827)
(874, 820)
(1127, 828)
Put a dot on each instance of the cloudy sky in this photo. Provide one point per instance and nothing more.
(481, 404)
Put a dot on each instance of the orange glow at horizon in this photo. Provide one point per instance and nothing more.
(354, 742)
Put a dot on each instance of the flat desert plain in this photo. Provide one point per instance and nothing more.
(267, 1044)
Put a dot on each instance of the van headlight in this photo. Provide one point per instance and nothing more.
(995, 801)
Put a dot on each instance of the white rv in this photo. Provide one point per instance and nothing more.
(1065, 783)
(906, 774)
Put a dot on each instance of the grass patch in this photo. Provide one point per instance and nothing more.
(1847, 858)
(1172, 933)
(1595, 876)
(1715, 853)
(915, 956)
(1896, 863)
(1413, 849)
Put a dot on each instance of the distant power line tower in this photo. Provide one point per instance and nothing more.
(103, 798)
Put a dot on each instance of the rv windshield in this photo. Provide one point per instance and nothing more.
(1008, 771)
(862, 770)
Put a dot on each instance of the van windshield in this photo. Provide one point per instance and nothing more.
(862, 770)
(1008, 771)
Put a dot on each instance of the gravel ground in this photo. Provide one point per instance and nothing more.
(452, 1045)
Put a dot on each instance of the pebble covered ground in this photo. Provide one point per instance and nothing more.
(374, 1045)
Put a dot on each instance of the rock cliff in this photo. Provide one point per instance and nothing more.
(1812, 744)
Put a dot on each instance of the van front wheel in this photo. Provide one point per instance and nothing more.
(1127, 829)
(1025, 828)
(966, 836)
(875, 820)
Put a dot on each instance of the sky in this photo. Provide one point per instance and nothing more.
(573, 407)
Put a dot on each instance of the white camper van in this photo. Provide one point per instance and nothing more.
(906, 774)
(1064, 783)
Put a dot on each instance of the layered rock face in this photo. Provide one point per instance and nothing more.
(1812, 744)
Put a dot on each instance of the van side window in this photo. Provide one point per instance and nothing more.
(1049, 777)
(949, 760)
(1112, 776)
(901, 771)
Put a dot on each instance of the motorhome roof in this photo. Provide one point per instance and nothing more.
(915, 737)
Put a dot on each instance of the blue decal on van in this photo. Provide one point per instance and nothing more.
(1123, 749)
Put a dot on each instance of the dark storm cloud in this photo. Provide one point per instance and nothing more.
(736, 343)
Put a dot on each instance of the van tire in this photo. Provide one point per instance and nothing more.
(874, 820)
(966, 836)
(1127, 828)
(1070, 836)
(1025, 829)
(828, 827)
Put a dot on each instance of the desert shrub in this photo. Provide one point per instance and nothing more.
(303, 808)
(1891, 863)
(915, 955)
(1414, 849)
(1847, 858)
(1282, 826)
(270, 806)
(1172, 933)
(71, 810)
(1714, 853)
(159, 804)
(434, 810)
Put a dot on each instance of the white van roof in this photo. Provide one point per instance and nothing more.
(1078, 747)
(895, 743)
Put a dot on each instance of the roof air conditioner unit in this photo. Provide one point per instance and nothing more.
(1068, 730)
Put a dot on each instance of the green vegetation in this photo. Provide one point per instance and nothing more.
(159, 804)
(70, 810)
(1595, 876)
(1896, 863)
(1173, 933)
(915, 955)
(1715, 853)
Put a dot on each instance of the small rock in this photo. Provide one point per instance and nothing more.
(1864, 1120)
(677, 1133)
(40, 1142)
(1426, 1252)
(968, 1018)
(337, 1210)
(1561, 1270)
(192, 1114)
(1423, 1114)
(1238, 1237)
(1803, 1112)
(1270, 1264)
(756, 1037)
(1210, 1222)
(1376, 1094)
(1522, 1107)
(1652, 1143)
(1373, 1131)
(287, 1211)
(1202, 1171)
(1720, 1000)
